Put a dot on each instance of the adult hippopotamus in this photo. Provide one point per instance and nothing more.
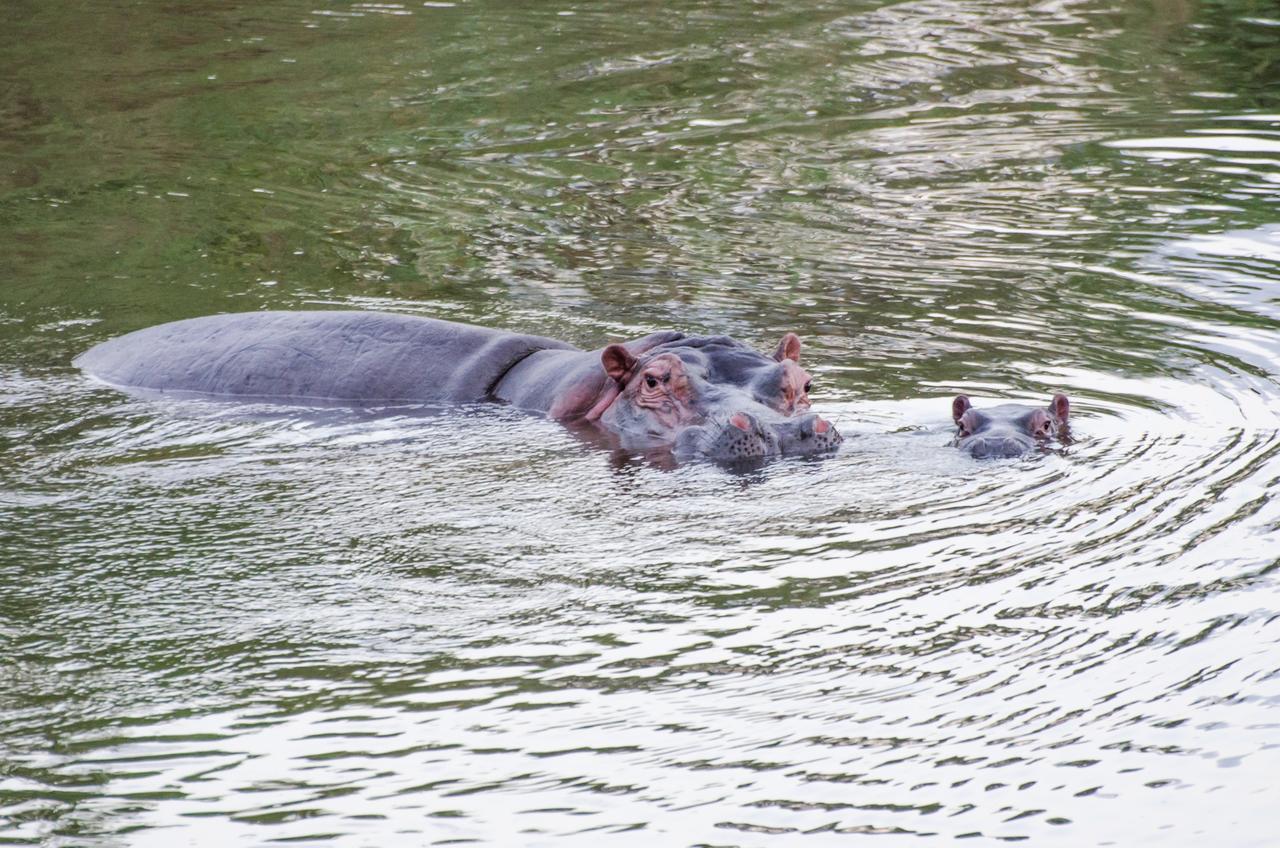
(698, 396)
(1010, 429)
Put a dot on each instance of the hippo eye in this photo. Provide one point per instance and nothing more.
(650, 381)
(807, 385)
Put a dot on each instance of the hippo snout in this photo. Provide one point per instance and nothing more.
(997, 447)
(739, 437)
(746, 436)
(808, 434)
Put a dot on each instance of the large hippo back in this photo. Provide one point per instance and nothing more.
(350, 356)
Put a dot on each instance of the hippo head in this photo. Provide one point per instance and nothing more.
(777, 382)
(1008, 430)
(712, 398)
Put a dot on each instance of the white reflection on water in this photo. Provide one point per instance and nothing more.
(470, 625)
(416, 626)
(1238, 268)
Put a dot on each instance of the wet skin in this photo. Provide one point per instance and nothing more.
(701, 397)
(1008, 430)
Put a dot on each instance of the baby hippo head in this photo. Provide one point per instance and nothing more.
(1007, 430)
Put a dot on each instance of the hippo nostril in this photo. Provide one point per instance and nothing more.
(810, 426)
(1013, 447)
(1005, 447)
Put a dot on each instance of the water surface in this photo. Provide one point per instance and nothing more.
(243, 625)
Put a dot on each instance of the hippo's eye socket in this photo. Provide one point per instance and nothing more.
(651, 381)
(807, 386)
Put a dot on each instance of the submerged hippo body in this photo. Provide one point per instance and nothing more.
(698, 396)
(1010, 429)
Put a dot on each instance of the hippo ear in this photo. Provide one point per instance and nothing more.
(618, 362)
(959, 407)
(1060, 407)
(788, 348)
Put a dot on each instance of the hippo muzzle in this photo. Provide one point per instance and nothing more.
(996, 445)
(807, 434)
(744, 437)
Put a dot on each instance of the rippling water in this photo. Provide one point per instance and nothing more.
(231, 625)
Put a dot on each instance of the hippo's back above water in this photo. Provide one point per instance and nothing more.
(337, 355)
(698, 397)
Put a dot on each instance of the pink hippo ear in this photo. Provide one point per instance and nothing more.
(1060, 407)
(788, 348)
(959, 407)
(618, 362)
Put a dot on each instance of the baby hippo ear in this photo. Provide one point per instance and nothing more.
(788, 348)
(959, 407)
(618, 362)
(1060, 407)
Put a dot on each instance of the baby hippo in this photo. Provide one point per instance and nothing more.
(1007, 430)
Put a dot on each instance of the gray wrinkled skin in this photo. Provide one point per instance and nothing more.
(725, 361)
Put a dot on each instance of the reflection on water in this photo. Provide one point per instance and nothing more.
(233, 625)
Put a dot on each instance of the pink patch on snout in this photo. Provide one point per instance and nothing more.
(740, 421)
(821, 426)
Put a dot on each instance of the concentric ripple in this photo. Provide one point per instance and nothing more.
(250, 624)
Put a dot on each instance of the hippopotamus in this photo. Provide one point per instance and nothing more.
(697, 396)
(1010, 429)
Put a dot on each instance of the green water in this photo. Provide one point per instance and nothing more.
(225, 625)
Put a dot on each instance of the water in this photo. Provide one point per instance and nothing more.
(248, 625)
